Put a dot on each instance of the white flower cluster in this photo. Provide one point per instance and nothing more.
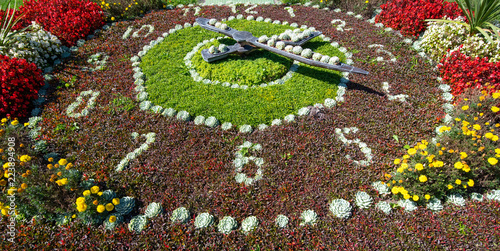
(440, 37)
(381, 187)
(150, 138)
(245, 129)
(203, 220)
(249, 224)
(180, 215)
(308, 217)
(241, 160)
(363, 200)
(99, 60)
(35, 45)
(363, 147)
(341, 208)
(227, 225)
(90, 104)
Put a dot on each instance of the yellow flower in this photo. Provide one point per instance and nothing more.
(51, 159)
(488, 135)
(415, 198)
(463, 155)
(73, 216)
(476, 127)
(458, 182)
(94, 189)
(24, 186)
(470, 183)
(99, 193)
(395, 190)
(427, 197)
(406, 156)
(12, 190)
(423, 153)
(81, 207)
(80, 200)
(15, 122)
(422, 146)
(422, 178)
(4, 120)
(466, 169)
(50, 166)
(95, 202)
(25, 158)
(492, 161)
(400, 181)
(399, 170)
(465, 107)
(69, 166)
(406, 196)
(389, 176)
(495, 109)
(495, 95)
(62, 182)
(112, 218)
(109, 207)
(450, 187)
(100, 208)
(115, 201)
(62, 162)
(112, 18)
(404, 165)
(397, 161)
(86, 193)
(419, 167)
(458, 165)
(494, 138)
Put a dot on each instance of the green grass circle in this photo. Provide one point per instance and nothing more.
(170, 84)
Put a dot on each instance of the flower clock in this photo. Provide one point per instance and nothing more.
(251, 148)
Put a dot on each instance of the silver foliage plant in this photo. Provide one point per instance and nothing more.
(203, 220)
(308, 217)
(180, 215)
(227, 225)
(249, 224)
(341, 208)
(363, 200)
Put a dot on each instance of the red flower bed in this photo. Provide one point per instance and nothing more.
(462, 72)
(20, 82)
(408, 16)
(69, 20)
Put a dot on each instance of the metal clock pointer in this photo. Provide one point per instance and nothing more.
(246, 43)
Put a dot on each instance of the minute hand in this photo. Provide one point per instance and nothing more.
(338, 67)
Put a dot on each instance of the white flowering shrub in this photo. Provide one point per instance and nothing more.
(281, 221)
(441, 37)
(203, 220)
(308, 217)
(249, 224)
(180, 215)
(434, 204)
(384, 206)
(35, 45)
(227, 225)
(363, 200)
(341, 208)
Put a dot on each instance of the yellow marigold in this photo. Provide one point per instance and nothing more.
(109, 207)
(28, 172)
(86, 193)
(112, 18)
(406, 196)
(94, 189)
(12, 191)
(80, 200)
(419, 167)
(100, 208)
(488, 135)
(465, 107)
(15, 122)
(466, 169)
(4, 120)
(387, 175)
(427, 197)
(400, 181)
(494, 138)
(51, 159)
(470, 183)
(59, 173)
(62, 182)
(495, 109)
(415, 198)
(397, 161)
(492, 161)
(458, 182)
(62, 162)
(422, 178)
(395, 190)
(406, 156)
(115, 201)
(463, 155)
(95, 202)
(99, 193)
(476, 127)
(81, 207)
(404, 165)
(56, 165)
(422, 147)
(450, 186)
(24, 186)
(112, 218)
(69, 166)
(458, 165)
(50, 166)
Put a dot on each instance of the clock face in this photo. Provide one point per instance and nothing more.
(336, 150)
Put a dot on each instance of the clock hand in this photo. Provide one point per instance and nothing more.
(236, 48)
(205, 24)
(338, 67)
(303, 41)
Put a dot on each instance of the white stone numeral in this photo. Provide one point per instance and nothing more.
(241, 160)
(364, 148)
(400, 97)
(380, 50)
(250, 10)
(150, 138)
(150, 28)
(79, 101)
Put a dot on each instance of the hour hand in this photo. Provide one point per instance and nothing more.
(212, 54)
(211, 25)
(304, 40)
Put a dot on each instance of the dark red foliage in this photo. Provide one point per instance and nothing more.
(69, 20)
(408, 16)
(20, 82)
(21, 24)
(462, 72)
